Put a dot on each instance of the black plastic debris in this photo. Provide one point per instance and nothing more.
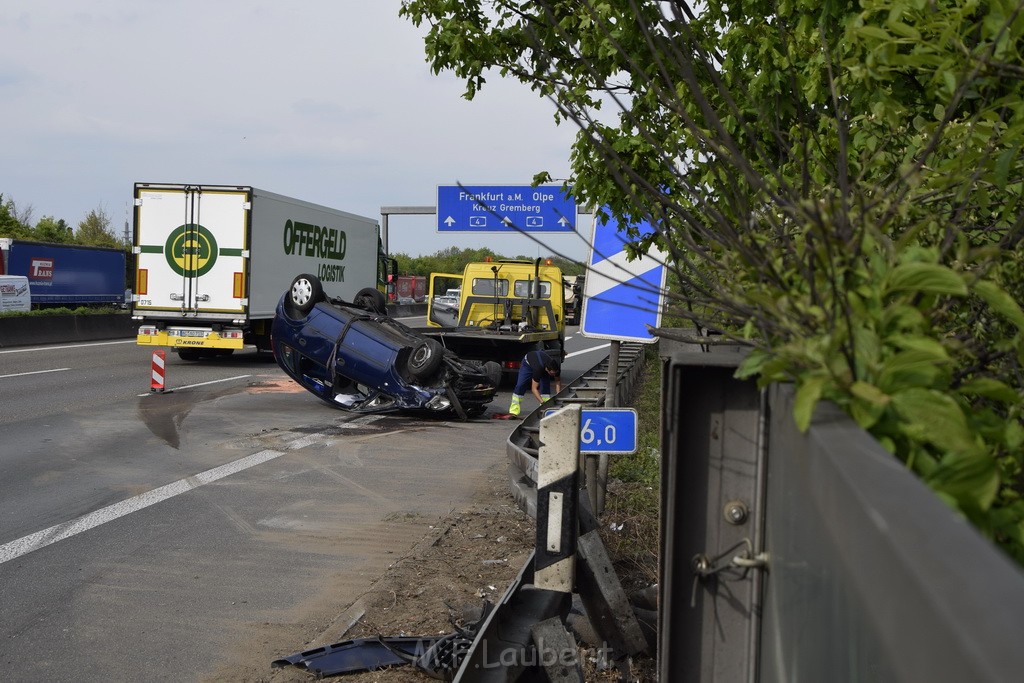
(361, 654)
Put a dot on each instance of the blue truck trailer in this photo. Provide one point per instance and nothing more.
(66, 274)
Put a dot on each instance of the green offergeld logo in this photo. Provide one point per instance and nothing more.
(191, 250)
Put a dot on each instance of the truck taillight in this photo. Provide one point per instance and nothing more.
(511, 364)
(231, 334)
(142, 281)
(148, 330)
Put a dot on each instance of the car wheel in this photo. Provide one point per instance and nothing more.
(190, 354)
(425, 359)
(372, 300)
(493, 372)
(306, 291)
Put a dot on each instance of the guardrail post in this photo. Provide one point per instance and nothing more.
(558, 500)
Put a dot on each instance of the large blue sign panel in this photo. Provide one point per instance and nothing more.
(607, 430)
(621, 297)
(504, 208)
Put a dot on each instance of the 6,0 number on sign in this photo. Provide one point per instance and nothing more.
(588, 436)
(607, 430)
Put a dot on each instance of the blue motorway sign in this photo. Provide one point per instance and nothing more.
(504, 208)
(607, 430)
(622, 298)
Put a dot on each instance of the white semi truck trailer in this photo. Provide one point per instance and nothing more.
(212, 261)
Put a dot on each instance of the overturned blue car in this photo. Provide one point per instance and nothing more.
(356, 358)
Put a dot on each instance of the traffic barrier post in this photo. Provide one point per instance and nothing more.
(158, 372)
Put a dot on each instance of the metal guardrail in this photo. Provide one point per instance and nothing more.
(533, 610)
(589, 390)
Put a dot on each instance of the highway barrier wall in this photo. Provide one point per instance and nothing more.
(813, 556)
(30, 330)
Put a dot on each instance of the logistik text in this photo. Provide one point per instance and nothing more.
(314, 240)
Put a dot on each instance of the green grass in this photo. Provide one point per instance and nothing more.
(629, 524)
(643, 466)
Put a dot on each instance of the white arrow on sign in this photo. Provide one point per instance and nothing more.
(449, 221)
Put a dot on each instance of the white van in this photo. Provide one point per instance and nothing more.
(14, 293)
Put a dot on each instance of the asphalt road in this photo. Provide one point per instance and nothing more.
(186, 535)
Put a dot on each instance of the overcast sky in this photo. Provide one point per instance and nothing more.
(330, 101)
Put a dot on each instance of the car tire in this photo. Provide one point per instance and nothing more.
(425, 359)
(372, 300)
(475, 410)
(190, 354)
(493, 372)
(305, 292)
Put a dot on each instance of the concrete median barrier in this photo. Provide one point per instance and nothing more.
(29, 330)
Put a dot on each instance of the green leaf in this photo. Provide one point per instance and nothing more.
(936, 418)
(925, 278)
(973, 480)
(808, 393)
(874, 32)
(913, 368)
(901, 29)
(869, 393)
(752, 364)
(1000, 302)
(1014, 436)
(988, 387)
(1003, 164)
(926, 345)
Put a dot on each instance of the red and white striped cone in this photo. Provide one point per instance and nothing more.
(159, 363)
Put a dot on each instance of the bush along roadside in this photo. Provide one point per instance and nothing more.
(62, 310)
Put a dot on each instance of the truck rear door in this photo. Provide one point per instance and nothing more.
(191, 246)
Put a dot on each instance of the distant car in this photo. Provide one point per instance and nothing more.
(447, 301)
(444, 310)
(354, 357)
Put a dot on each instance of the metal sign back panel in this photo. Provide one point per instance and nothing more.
(622, 298)
(504, 208)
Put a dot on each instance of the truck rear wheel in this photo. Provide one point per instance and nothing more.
(371, 300)
(306, 291)
(425, 359)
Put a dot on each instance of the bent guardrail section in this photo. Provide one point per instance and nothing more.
(588, 391)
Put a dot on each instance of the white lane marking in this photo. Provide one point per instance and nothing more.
(34, 372)
(59, 532)
(60, 348)
(201, 384)
(592, 348)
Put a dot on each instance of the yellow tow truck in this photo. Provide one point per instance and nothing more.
(505, 309)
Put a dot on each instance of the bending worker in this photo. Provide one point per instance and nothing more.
(537, 371)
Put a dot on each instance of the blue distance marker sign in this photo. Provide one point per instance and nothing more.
(607, 430)
(504, 208)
